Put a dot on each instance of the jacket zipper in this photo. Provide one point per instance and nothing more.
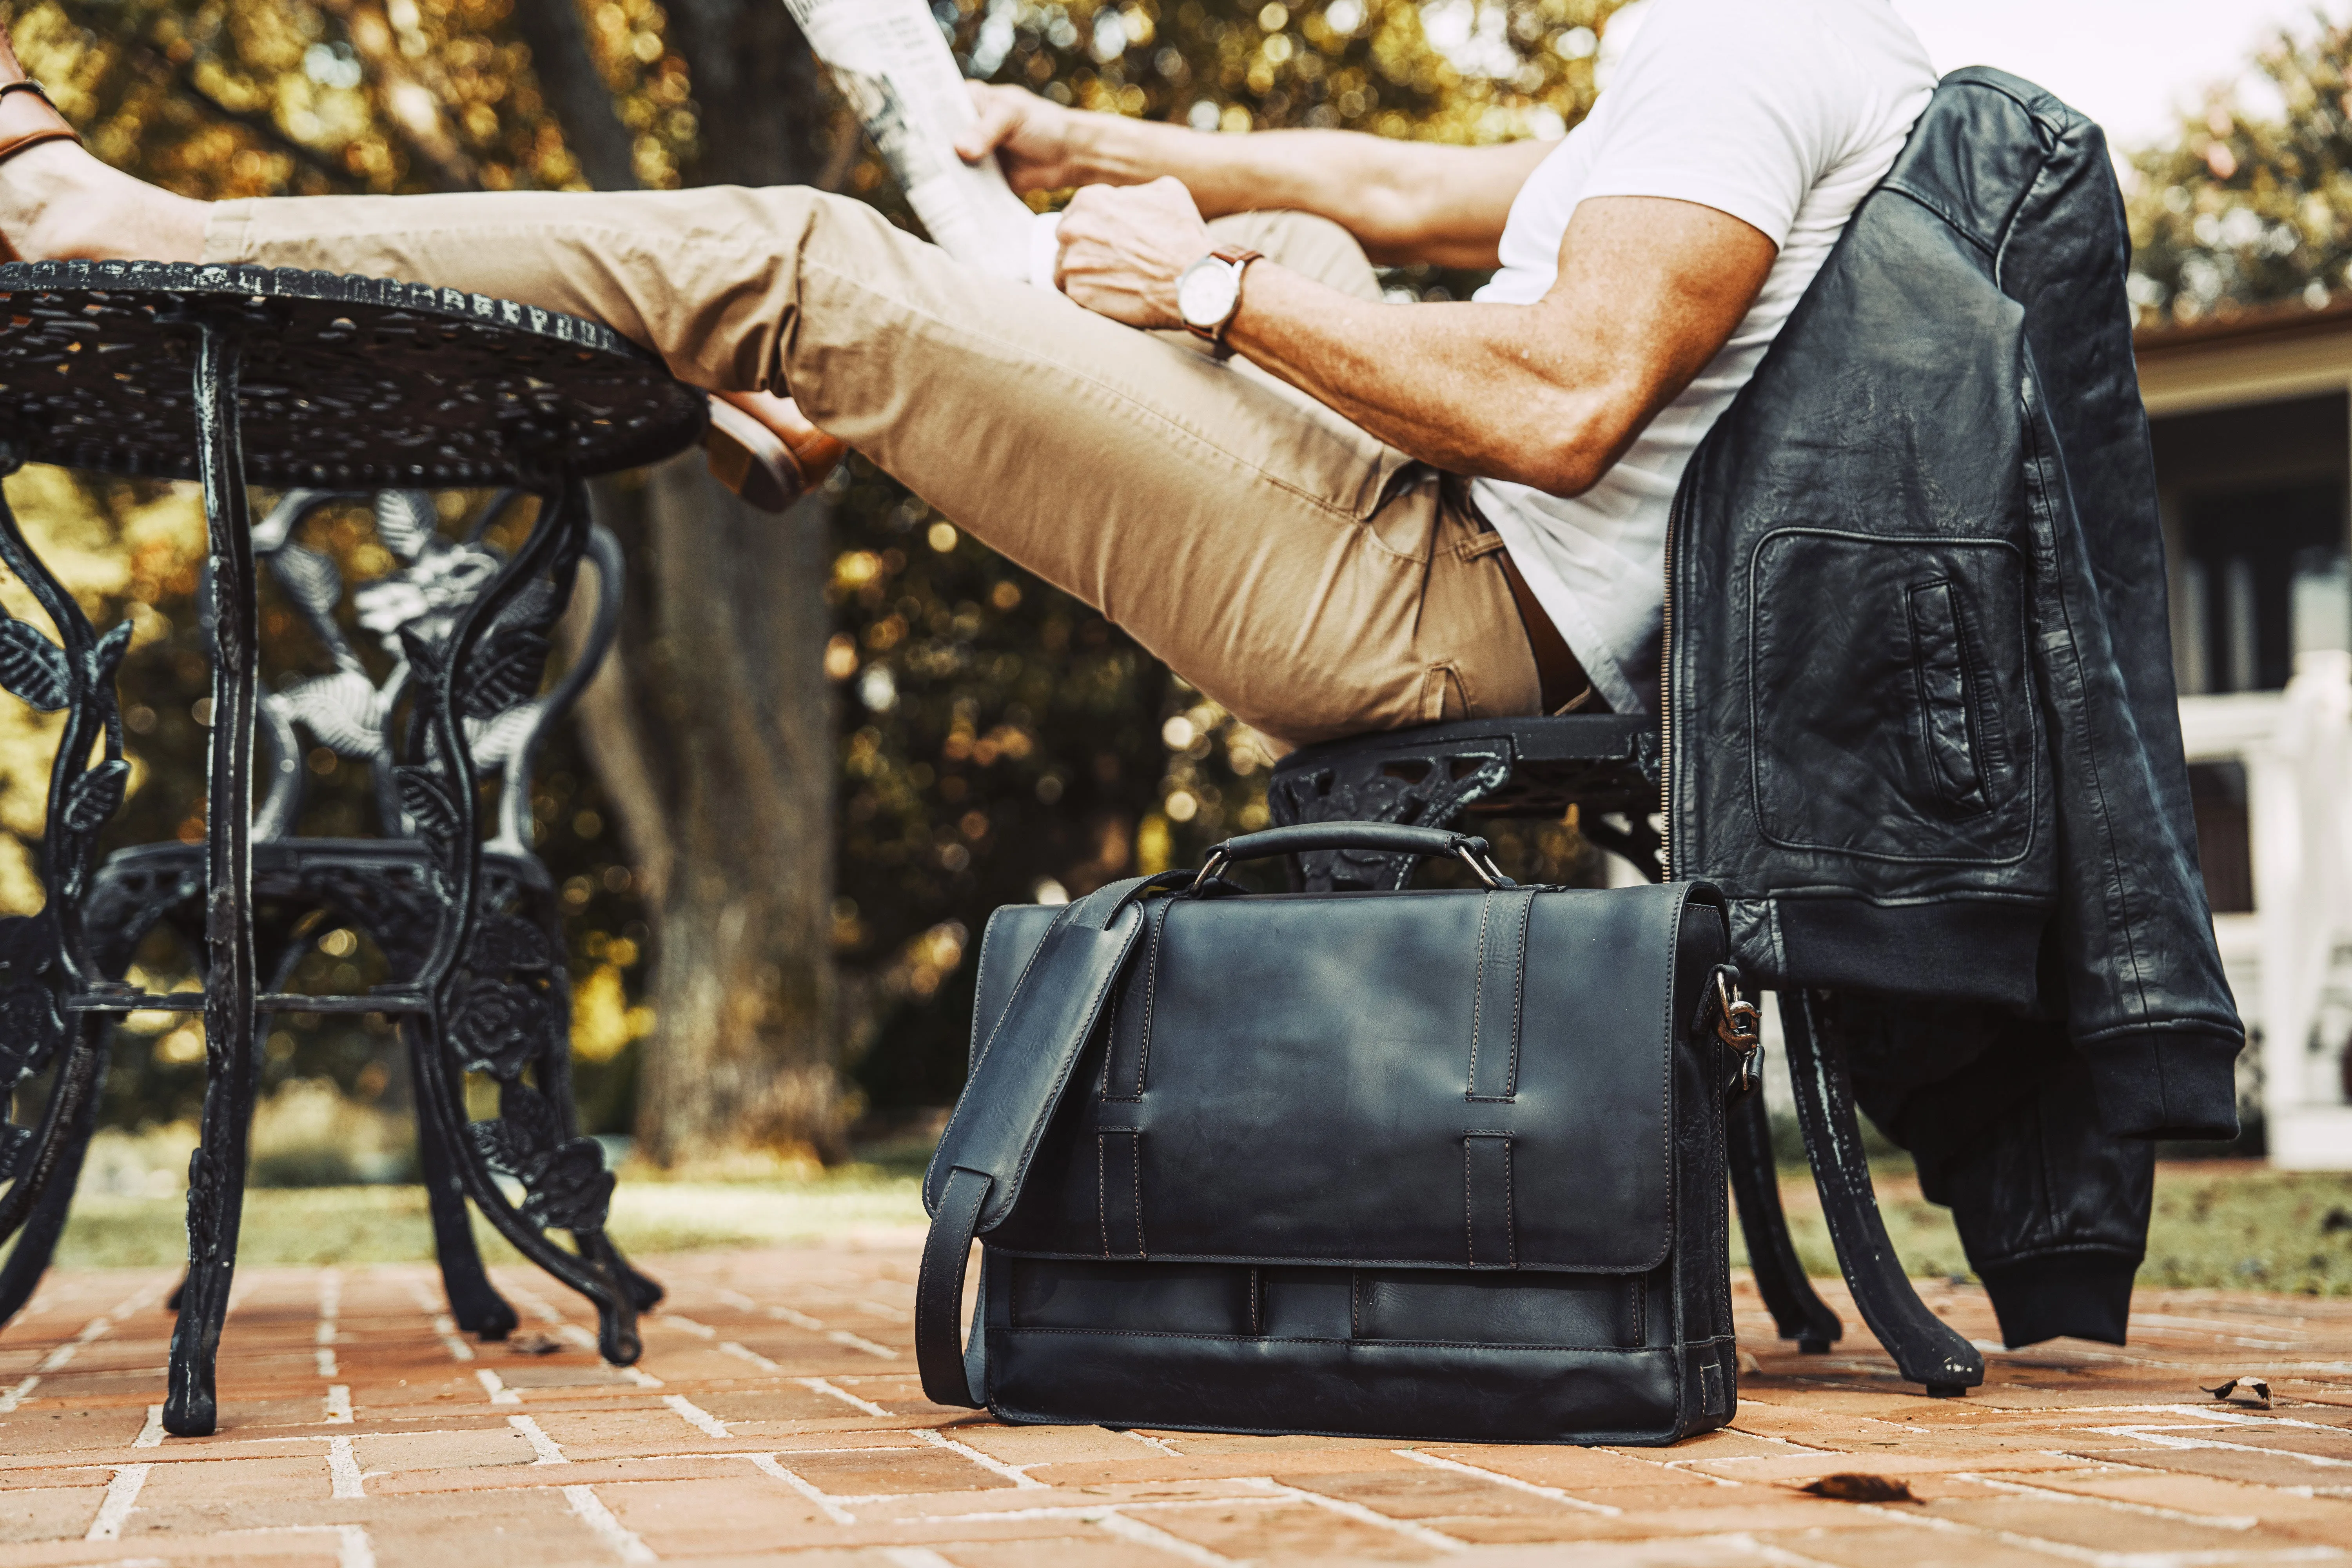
(1666, 699)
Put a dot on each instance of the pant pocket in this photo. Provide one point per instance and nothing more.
(1442, 694)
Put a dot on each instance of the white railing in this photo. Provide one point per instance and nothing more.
(2290, 961)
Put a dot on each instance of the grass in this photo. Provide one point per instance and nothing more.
(2219, 1224)
(2228, 1223)
(389, 1225)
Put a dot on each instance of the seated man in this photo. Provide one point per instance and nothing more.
(1365, 516)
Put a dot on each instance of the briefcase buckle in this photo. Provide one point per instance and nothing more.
(1738, 1025)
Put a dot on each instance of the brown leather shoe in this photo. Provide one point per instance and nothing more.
(771, 458)
(28, 117)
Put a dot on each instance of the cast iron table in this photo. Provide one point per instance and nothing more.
(238, 374)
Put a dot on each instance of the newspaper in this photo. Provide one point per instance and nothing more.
(894, 67)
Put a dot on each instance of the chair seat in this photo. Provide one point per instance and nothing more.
(391, 888)
(1526, 767)
(1433, 774)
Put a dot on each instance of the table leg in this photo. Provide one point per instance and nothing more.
(216, 1174)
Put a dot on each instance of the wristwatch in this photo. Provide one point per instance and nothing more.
(1209, 291)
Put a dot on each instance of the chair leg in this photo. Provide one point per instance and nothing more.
(1925, 1349)
(1797, 1312)
(554, 1071)
(38, 1241)
(564, 1180)
(474, 1302)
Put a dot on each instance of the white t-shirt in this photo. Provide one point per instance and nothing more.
(1783, 113)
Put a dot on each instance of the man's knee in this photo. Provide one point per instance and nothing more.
(1306, 244)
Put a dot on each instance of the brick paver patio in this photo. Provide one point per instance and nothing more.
(776, 1417)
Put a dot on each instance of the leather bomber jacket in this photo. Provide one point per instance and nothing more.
(1921, 726)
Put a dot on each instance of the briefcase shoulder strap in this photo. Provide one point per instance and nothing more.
(976, 1174)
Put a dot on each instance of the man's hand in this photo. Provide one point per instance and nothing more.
(1124, 247)
(1032, 137)
(1406, 201)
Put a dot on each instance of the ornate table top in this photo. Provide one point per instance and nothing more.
(348, 383)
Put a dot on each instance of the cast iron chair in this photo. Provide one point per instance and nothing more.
(1606, 765)
(391, 887)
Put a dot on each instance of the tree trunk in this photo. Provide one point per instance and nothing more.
(575, 92)
(745, 1050)
(712, 727)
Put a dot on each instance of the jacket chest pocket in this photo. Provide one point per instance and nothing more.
(1892, 707)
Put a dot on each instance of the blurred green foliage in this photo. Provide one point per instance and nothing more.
(998, 740)
(2252, 201)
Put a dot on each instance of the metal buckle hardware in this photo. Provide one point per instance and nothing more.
(1738, 1025)
(1483, 868)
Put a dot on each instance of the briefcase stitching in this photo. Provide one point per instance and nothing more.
(1157, 918)
(930, 1199)
(1519, 997)
(1510, 1208)
(1469, 1192)
(1362, 1344)
(1150, 994)
(1478, 1007)
(1093, 1005)
(1103, 1136)
(1523, 905)
(980, 989)
(1469, 1218)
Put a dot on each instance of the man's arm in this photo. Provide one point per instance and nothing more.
(1549, 393)
(1404, 201)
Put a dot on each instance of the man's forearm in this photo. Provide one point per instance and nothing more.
(1649, 289)
(1469, 388)
(1403, 201)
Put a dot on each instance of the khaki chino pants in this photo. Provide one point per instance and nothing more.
(1312, 579)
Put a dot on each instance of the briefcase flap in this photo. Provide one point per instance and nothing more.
(1446, 1079)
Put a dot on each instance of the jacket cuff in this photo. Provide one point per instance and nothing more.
(2166, 1084)
(2086, 1293)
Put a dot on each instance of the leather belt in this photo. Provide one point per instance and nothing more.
(1560, 675)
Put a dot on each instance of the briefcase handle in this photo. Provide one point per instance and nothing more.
(1381, 837)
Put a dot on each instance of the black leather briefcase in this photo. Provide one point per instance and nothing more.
(1427, 1164)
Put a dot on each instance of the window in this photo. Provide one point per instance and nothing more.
(2254, 510)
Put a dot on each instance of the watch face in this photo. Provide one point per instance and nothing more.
(1205, 293)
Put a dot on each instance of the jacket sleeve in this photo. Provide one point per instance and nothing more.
(2146, 999)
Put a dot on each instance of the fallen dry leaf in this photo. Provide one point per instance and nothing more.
(1856, 1486)
(2253, 1391)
